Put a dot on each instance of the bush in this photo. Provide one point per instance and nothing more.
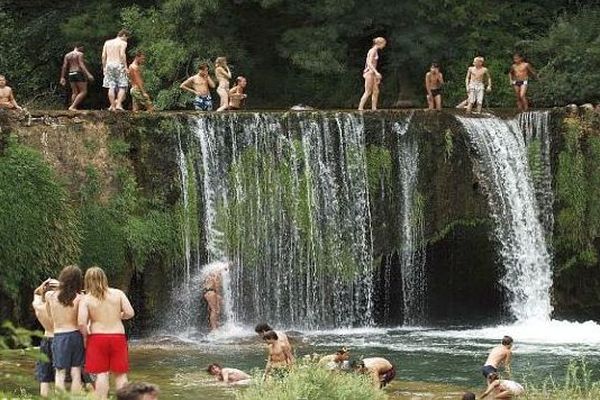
(309, 381)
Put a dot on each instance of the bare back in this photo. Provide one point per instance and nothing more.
(114, 51)
(377, 365)
(41, 313)
(64, 318)
(73, 60)
(234, 375)
(105, 316)
(498, 356)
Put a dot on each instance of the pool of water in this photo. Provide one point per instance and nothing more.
(431, 363)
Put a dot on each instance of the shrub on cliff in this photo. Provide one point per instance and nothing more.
(38, 227)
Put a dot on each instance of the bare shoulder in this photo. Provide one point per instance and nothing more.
(49, 296)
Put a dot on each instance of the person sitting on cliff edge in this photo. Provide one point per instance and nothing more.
(500, 355)
(7, 98)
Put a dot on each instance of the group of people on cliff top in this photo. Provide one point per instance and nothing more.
(118, 77)
(477, 82)
(84, 338)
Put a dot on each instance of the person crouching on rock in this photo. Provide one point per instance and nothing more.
(381, 370)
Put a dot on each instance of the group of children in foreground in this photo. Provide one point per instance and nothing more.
(84, 337)
(380, 370)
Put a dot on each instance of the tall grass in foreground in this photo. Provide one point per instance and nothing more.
(578, 385)
(307, 381)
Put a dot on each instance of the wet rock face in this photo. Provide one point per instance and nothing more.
(439, 209)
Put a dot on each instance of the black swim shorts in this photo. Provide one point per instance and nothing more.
(486, 370)
(77, 76)
(67, 350)
(44, 371)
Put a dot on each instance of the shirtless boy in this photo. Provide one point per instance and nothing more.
(434, 80)
(199, 85)
(335, 361)
(262, 329)
(101, 312)
(280, 356)
(519, 80)
(474, 83)
(500, 355)
(229, 375)
(7, 99)
(114, 65)
(44, 371)
(381, 370)
(140, 99)
(237, 97)
(503, 389)
(75, 70)
(67, 345)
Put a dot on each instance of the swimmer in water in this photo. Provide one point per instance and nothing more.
(229, 375)
(371, 75)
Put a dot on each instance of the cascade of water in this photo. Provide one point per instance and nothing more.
(538, 138)
(292, 214)
(412, 249)
(502, 164)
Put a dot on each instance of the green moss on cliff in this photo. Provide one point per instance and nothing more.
(578, 191)
(39, 229)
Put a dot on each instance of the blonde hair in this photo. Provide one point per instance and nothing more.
(379, 40)
(479, 58)
(96, 283)
(220, 61)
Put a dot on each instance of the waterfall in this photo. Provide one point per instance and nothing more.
(502, 165)
(412, 247)
(286, 200)
(535, 126)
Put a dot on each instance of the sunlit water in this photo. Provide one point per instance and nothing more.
(439, 363)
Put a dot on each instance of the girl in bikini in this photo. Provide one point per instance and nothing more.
(371, 75)
(223, 75)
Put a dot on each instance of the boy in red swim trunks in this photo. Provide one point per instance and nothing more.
(101, 312)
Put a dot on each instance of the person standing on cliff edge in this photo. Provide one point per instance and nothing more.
(371, 75)
(139, 96)
(114, 65)
(75, 71)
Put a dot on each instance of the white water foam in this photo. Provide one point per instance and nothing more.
(502, 166)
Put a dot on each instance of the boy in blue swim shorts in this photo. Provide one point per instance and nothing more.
(200, 85)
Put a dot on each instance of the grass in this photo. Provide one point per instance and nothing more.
(578, 384)
(307, 381)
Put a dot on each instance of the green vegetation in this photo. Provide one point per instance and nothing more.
(39, 229)
(309, 52)
(577, 193)
(308, 381)
(578, 384)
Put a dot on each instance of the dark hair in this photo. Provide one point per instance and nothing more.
(341, 351)
(239, 79)
(203, 65)
(493, 376)
(139, 53)
(468, 396)
(357, 364)
(123, 32)
(435, 65)
(135, 391)
(211, 366)
(270, 335)
(507, 340)
(517, 54)
(262, 328)
(71, 282)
